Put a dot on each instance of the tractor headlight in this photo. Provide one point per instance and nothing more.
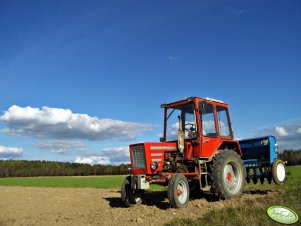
(154, 165)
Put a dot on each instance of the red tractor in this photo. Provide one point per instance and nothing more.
(197, 152)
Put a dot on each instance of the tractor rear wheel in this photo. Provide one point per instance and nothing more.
(227, 175)
(178, 191)
(130, 196)
(278, 172)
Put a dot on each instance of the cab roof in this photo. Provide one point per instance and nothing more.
(189, 99)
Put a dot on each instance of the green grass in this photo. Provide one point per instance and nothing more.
(77, 182)
(70, 182)
(253, 212)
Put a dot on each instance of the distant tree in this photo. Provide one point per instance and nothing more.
(25, 168)
(292, 157)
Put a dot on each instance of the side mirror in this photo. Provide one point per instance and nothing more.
(162, 139)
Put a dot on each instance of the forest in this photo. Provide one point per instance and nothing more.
(292, 157)
(27, 168)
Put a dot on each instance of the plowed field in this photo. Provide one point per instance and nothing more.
(90, 206)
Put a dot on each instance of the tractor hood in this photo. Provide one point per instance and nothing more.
(143, 155)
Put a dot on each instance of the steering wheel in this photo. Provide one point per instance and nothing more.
(192, 127)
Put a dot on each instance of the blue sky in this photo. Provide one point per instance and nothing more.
(81, 80)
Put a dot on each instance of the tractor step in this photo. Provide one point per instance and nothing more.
(203, 174)
(207, 188)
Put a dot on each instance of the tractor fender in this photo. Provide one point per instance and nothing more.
(233, 145)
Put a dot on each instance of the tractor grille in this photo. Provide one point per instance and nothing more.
(138, 157)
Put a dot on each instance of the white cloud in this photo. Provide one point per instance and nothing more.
(281, 131)
(60, 146)
(10, 152)
(93, 160)
(288, 135)
(172, 132)
(116, 152)
(172, 58)
(60, 123)
(112, 155)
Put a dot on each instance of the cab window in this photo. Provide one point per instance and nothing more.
(223, 121)
(208, 124)
(187, 113)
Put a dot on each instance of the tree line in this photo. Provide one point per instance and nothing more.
(292, 157)
(29, 168)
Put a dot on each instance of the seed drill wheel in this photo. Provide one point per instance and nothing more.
(178, 191)
(130, 196)
(227, 175)
(278, 172)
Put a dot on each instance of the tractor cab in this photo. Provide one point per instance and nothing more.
(201, 122)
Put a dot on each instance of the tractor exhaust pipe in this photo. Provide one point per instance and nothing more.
(181, 135)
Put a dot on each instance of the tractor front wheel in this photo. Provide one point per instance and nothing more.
(130, 196)
(278, 172)
(178, 191)
(227, 175)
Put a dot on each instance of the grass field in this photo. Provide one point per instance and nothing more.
(75, 182)
(70, 182)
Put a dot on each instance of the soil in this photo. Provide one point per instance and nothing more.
(88, 206)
